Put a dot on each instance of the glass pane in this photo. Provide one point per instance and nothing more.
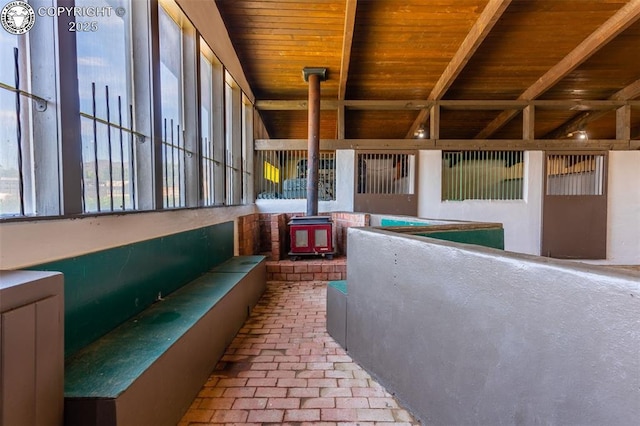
(575, 174)
(170, 67)
(9, 163)
(282, 174)
(229, 148)
(103, 59)
(104, 86)
(302, 238)
(7, 44)
(482, 175)
(321, 238)
(206, 129)
(171, 104)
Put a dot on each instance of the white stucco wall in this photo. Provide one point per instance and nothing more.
(521, 219)
(623, 215)
(27, 243)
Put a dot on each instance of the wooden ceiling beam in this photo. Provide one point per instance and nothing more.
(619, 22)
(268, 105)
(482, 27)
(345, 61)
(578, 122)
(347, 41)
(452, 144)
(386, 104)
(380, 105)
(480, 30)
(462, 104)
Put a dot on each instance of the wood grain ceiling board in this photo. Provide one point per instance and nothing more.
(400, 49)
(378, 124)
(276, 39)
(531, 37)
(294, 124)
(546, 121)
(463, 124)
(609, 70)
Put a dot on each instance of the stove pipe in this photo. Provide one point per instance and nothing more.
(314, 76)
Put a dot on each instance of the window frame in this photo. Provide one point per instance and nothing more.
(58, 190)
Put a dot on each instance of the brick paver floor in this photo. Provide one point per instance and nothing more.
(283, 368)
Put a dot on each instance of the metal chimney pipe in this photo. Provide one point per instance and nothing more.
(313, 76)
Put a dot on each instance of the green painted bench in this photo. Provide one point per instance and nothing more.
(148, 370)
(146, 323)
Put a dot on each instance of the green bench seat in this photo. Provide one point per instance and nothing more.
(149, 369)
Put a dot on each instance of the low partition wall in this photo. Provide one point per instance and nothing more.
(471, 335)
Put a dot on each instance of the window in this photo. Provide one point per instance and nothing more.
(386, 173)
(29, 134)
(247, 151)
(482, 175)
(211, 127)
(92, 150)
(106, 109)
(171, 80)
(579, 174)
(233, 141)
(16, 128)
(283, 174)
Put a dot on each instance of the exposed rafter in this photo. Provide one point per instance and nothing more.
(347, 40)
(450, 104)
(452, 144)
(345, 60)
(382, 53)
(578, 122)
(490, 15)
(619, 22)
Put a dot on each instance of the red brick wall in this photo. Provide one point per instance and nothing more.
(307, 270)
(268, 233)
(279, 236)
(264, 221)
(341, 222)
(248, 234)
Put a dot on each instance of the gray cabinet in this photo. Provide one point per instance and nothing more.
(31, 348)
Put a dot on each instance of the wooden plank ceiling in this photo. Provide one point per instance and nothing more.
(387, 59)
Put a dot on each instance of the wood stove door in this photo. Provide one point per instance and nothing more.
(301, 239)
(386, 182)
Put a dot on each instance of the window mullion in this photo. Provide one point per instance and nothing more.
(191, 107)
(144, 44)
(69, 133)
(154, 175)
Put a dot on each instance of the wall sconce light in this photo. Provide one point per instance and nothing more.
(421, 133)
